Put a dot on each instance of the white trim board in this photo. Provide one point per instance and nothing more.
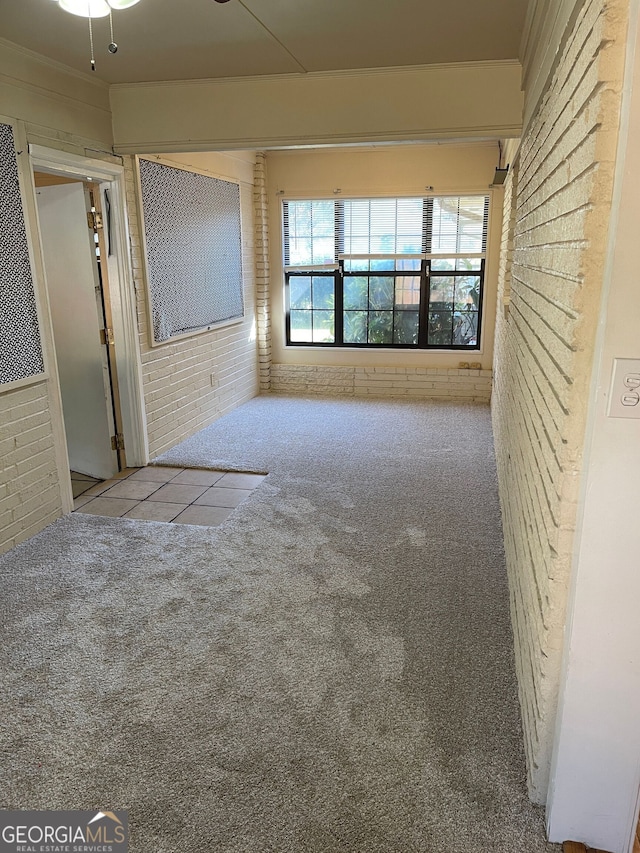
(123, 300)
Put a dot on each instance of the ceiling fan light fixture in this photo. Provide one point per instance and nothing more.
(86, 8)
(94, 8)
(122, 4)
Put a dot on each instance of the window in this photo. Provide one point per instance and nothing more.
(192, 230)
(386, 272)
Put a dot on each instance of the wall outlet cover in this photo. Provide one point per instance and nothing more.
(624, 392)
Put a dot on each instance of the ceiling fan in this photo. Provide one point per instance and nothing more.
(100, 9)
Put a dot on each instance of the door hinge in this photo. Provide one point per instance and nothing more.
(106, 336)
(94, 220)
(117, 441)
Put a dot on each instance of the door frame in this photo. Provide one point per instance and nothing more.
(110, 175)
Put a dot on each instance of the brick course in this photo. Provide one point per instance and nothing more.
(429, 383)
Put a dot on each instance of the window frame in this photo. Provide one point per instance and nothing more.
(425, 272)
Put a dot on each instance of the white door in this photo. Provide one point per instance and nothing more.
(74, 293)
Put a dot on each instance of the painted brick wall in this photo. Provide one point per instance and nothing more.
(29, 488)
(431, 383)
(556, 219)
(191, 382)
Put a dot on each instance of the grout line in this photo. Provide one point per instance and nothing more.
(184, 506)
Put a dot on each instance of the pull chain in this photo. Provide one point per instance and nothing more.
(113, 47)
(93, 59)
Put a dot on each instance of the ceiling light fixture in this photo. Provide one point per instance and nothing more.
(96, 9)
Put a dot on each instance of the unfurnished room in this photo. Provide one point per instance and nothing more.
(319, 426)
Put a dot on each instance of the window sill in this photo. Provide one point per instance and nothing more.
(363, 348)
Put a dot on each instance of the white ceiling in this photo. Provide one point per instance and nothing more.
(190, 39)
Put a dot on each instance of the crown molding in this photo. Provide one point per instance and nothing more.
(320, 75)
(54, 64)
(53, 93)
(228, 145)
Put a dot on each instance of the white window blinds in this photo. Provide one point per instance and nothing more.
(381, 226)
(318, 232)
(457, 224)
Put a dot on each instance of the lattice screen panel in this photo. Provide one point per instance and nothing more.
(194, 249)
(20, 347)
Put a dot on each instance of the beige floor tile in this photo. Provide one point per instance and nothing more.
(112, 507)
(208, 516)
(126, 472)
(236, 480)
(101, 487)
(82, 500)
(80, 486)
(198, 477)
(155, 511)
(137, 490)
(156, 473)
(76, 476)
(177, 494)
(222, 497)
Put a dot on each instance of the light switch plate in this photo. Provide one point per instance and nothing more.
(624, 394)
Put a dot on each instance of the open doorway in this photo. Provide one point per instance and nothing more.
(75, 254)
(85, 252)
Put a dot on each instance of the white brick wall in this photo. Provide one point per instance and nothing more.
(189, 383)
(431, 383)
(555, 227)
(29, 488)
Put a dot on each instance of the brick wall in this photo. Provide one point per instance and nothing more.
(29, 488)
(189, 383)
(556, 218)
(431, 383)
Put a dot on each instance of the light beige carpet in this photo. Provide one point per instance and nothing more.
(331, 670)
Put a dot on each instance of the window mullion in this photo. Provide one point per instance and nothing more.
(480, 301)
(425, 271)
(287, 308)
(339, 304)
(423, 322)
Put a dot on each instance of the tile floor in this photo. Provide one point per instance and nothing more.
(159, 493)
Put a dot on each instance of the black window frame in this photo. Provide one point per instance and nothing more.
(426, 274)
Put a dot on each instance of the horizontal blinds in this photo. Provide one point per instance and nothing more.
(380, 225)
(318, 232)
(457, 224)
(309, 233)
